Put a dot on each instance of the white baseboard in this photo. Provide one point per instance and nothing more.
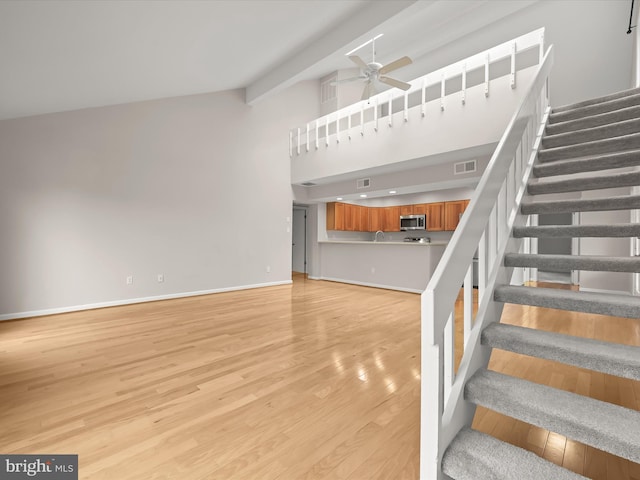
(116, 303)
(366, 284)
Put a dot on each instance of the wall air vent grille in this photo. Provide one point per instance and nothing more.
(328, 89)
(465, 167)
(363, 183)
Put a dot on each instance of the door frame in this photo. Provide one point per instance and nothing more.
(306, 235)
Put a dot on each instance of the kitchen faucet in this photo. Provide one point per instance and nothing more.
(375, 239)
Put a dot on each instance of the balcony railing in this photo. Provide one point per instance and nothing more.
(369, 116)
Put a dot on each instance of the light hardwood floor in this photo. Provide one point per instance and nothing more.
(319, 380)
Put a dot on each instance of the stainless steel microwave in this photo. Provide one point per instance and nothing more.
(413, 222)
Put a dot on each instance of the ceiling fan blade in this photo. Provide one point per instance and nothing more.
(346, 80)
(369, 90)
(390, 67)
(395, 83)
(358, 61)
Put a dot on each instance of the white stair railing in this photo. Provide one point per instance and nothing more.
(485, 228)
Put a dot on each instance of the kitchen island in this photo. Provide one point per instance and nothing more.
(404, 266)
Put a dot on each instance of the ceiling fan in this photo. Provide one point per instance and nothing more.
(374, 72)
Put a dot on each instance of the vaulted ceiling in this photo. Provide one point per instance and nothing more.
(59, 55)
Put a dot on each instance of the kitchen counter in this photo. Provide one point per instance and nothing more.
(393, 266)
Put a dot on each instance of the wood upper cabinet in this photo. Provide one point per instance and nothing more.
(391, 219)
(358, 218)
(350, 217)
(363, 218)
(435, 216)
(335, 216)
(453, 212)
(376, 215)
(407, 209)
(434, 213)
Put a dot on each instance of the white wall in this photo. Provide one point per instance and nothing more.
(398, 267)
(619, 247)
(592, 49)
(196, 188)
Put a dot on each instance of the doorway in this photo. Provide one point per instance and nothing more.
(299, 240)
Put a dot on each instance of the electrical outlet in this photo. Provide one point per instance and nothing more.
(268, 269)
(160, 278)
(130, 280)
(373, 269)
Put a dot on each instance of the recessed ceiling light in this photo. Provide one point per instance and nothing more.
(392, 191)
(363, 195)
(339, 198)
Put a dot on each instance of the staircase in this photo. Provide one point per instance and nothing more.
(587, 146)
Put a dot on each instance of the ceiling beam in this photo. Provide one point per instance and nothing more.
(343, 37)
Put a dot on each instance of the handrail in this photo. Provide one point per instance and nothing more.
(485, 227)
(356, 116)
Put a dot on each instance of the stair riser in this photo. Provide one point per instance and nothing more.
(572, 206)
(603, 99)
(567, 167)
(625, 231)
(605, 107)
(592, 134)
(614, 145)
(586, 420)
(610, 358)
(594, 121)
(582, 184)
(575, 306)
(632, 266)
(474, 456)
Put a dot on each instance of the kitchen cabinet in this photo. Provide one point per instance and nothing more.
(407, 209)
(335, 216)
(350, 216)
(376, 215)
(358, 218)
(363, 219)
(391, 219)
(434, 213)
(453, 212)
(346, 216)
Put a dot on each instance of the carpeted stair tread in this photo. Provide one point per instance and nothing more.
(588, 164)
(609, 145)
(593, 101)
(615, 305)
(574, 262)
(611, 358)
(621, 230)
(600, 424)
(601, 132)
(594, 109)
(594, 120)
(627, 179)
(477, 456)
(628, 202)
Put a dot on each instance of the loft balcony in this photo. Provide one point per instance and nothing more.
(455, 113)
